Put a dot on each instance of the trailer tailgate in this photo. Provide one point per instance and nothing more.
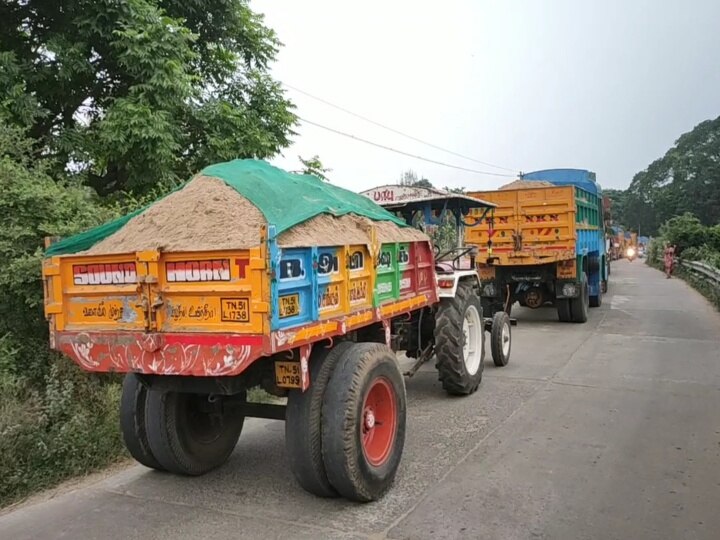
(158, 292)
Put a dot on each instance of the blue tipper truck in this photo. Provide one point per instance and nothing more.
(545, 244)
(590, 235)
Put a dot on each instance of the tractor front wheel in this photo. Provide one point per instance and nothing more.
(500, 339)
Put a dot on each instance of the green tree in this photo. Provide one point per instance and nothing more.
(410, 178)
(141, 92)
(618, 201)
(685, 231)
(314, 167)
(685, 179)
(33, 206)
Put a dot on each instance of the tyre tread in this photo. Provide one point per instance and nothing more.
(341, 454)
(448, 341)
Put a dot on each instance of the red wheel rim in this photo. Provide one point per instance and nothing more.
(379, 421)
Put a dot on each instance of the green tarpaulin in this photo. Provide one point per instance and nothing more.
(285, 199)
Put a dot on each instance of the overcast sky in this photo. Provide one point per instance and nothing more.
(602, 85)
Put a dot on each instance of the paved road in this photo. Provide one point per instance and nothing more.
(605, 430)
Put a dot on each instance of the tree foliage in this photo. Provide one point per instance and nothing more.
(33, 206)
(141, 92)
(104, 105)
(410, 178)
(313, 166)
(54, 419)
(685, 179)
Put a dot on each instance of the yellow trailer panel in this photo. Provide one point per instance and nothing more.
(530, 226)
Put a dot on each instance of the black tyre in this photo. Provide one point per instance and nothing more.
(563, 309)
(604, 286)
(596, 301)
(500, 339)
(132, 421)
(579, 305)
(594, 263)
(363, 422)
(460, 341)
(303, 423)
(188, 433)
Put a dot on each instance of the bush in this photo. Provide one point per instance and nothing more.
(703, 254)
(68, 428)
(694, 242)
(684, 232)
(55, 421)
(655, 252)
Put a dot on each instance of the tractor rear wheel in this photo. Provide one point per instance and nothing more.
(460, 341)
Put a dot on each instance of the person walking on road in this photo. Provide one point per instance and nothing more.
(669, 260)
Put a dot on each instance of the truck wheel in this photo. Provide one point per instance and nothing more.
(579, 305)
(188, 433)
(460, 342)
(563, 309)
(500, 339)
(604, 286)
(303, 423)
(363, 422)
(132, 421)
(596, 301)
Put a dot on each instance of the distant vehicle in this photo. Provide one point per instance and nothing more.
(631, 253)
(546, 244)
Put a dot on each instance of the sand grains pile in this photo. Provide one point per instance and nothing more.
(523, 184)
(207, 214)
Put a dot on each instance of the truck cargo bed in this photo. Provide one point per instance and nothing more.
(213, 313)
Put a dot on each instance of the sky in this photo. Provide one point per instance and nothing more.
(601, 85)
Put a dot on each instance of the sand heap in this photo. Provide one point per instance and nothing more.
(522, 184)
(207, 214)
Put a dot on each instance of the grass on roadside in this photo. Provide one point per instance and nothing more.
(69, 429)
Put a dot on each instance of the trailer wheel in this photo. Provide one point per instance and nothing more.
(579, 305)
(596, 301)
(303, 423)
(363, 422)
(563, 309)
(500, 339)
(189, 433)
(460, 342)
(132, 421)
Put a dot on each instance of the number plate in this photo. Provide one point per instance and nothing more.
(234, 310)
(287, 375)
(289, 305)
